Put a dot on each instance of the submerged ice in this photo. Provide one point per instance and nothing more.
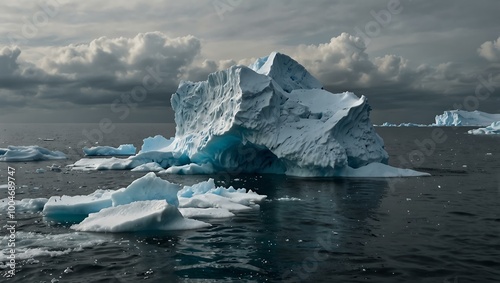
(271, 117)
(150, 203)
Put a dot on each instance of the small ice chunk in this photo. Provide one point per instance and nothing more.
(190, 169)
(148, 167)
(24, 205)
(201, 213)
(40, 171)
(55, 168)
(211, 201)
(124, 149)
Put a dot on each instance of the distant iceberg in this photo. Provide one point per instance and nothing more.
(271, 117)
(150, 203)
(493, 129)
(124, 149)
(387, 124)
(29, 153)
(465, 118)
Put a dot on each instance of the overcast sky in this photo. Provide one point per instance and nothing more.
(81, 61)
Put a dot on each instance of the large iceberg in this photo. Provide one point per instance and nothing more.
(466, 118)
(150, 203)
(271, 117)
(493, 129)
(29, 153)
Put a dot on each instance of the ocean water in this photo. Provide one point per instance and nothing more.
(443, 228)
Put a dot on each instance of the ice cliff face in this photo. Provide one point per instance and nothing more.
(465, 118)
(272, 117)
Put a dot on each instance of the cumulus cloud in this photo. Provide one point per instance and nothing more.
(8, 60)
(200, 72)
(490, 50)
(123, 58)
(102, 71)
(99, 71)
(344, 64)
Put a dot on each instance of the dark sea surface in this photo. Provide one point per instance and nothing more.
(444, 228)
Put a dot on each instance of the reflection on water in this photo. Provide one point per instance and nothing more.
(285, 239)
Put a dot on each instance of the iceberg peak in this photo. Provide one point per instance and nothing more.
(287, 72)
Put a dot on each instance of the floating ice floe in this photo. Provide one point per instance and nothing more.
(387, 124)
(68, 208)
(466, 118)
(29, 153)
(150, 203)
(271, 117)
(493, 129)
(138, 216)
(124, 149)
(148, 167)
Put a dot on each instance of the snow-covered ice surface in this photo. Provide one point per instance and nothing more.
(271, 117)
(124, 149)
(29, 153)
(66, 208)
(150, 203)
(148, 187)
(138, 216)
(493, 129)
(465, 118)
(156, 143)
